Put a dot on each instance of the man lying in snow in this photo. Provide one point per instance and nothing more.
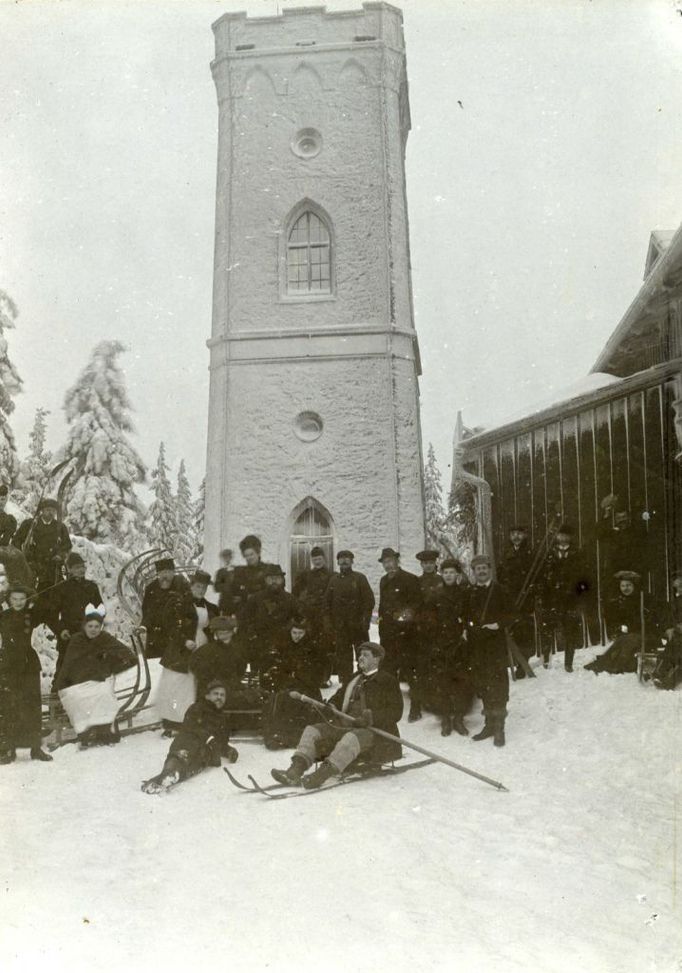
(201, 741)
(371, 696)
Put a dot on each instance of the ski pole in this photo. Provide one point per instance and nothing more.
(403, 742)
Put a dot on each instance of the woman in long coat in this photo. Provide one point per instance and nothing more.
(85, 681)
(20, 699)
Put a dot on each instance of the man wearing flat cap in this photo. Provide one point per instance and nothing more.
(349, 606)
(265, 616)
(166, 607)
(310, 591)
(485, 615)
(70, 599)
(400, 600)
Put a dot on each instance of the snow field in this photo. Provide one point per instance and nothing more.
(575, 869)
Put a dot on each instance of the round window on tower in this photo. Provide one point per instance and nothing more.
(308, 426)
(307, 143)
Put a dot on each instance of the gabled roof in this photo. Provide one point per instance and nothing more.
(663, 273)
(659, 241)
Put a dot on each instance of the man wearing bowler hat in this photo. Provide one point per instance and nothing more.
(166, 607)
(485, 614)
(400, 600)
(349, 605)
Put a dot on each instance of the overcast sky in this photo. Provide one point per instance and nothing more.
(530, 206)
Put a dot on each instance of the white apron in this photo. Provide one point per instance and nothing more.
(90, 704)
(176, 693)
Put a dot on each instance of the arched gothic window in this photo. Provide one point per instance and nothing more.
(309, 269)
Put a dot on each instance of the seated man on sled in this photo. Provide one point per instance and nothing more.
(200, 743)
(372, 697)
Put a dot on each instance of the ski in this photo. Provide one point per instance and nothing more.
(352, 778)
(251, 790)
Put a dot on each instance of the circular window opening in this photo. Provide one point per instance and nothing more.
(308, 426)
(307, 143)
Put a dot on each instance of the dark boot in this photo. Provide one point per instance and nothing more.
(320, 776)
(38, 754)
(498, 738)
(415, 712)
(8, 757)
(519, 673)
(487, 731)
(459, 727)
(292, 775)
(446, 726)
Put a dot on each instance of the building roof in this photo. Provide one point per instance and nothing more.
(659, 241)
(663, 273)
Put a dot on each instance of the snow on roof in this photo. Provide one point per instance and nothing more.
(582, 386)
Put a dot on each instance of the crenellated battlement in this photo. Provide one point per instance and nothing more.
(309, 27)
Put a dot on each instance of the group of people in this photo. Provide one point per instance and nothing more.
(449, 635)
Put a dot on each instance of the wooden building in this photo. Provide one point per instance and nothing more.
(620, 432)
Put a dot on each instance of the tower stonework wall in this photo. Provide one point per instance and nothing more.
(349, 357)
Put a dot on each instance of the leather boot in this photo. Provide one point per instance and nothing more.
(38, 754)
(8, 757)
(446, 725)
(415, 712)
(292, 775)
(487, 731)
(458, 726)
(498, 738)
(319, 777)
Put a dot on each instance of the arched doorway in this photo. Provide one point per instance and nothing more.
(312, 526)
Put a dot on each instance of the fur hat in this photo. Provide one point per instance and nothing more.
(273, 571)
(48, 504)
(73, 559)
(165, 564)
(250, 542)
(450, 562)
(216, 684)
(317, 552)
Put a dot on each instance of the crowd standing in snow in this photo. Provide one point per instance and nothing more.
(449, 636)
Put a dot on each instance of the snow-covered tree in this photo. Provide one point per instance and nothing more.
(35, 468)
(433, 501)
(199, 509)
(184, 517)
(462, 512)
(10, 386)
(161, 521)
(100, 501)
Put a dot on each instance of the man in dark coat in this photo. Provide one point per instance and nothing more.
(372, 698)
(20, 698)
(296, 663)
(70, 600)
(349, 604)
(8, 523)
(623, 617)
(200, 743)
(562, 590)
(162, 607)
(45, 542)
(223, 657)
(623, 543)
(247, 579)
(513, 572)
(485, 615)
(431, 584)
(400, 599)
(447, 676)
(310, 591)
(265, 616)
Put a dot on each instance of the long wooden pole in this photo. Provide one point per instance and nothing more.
(403, 742)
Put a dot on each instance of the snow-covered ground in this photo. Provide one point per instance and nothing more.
(575, 870)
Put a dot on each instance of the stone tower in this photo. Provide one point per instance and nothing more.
(314, 432)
